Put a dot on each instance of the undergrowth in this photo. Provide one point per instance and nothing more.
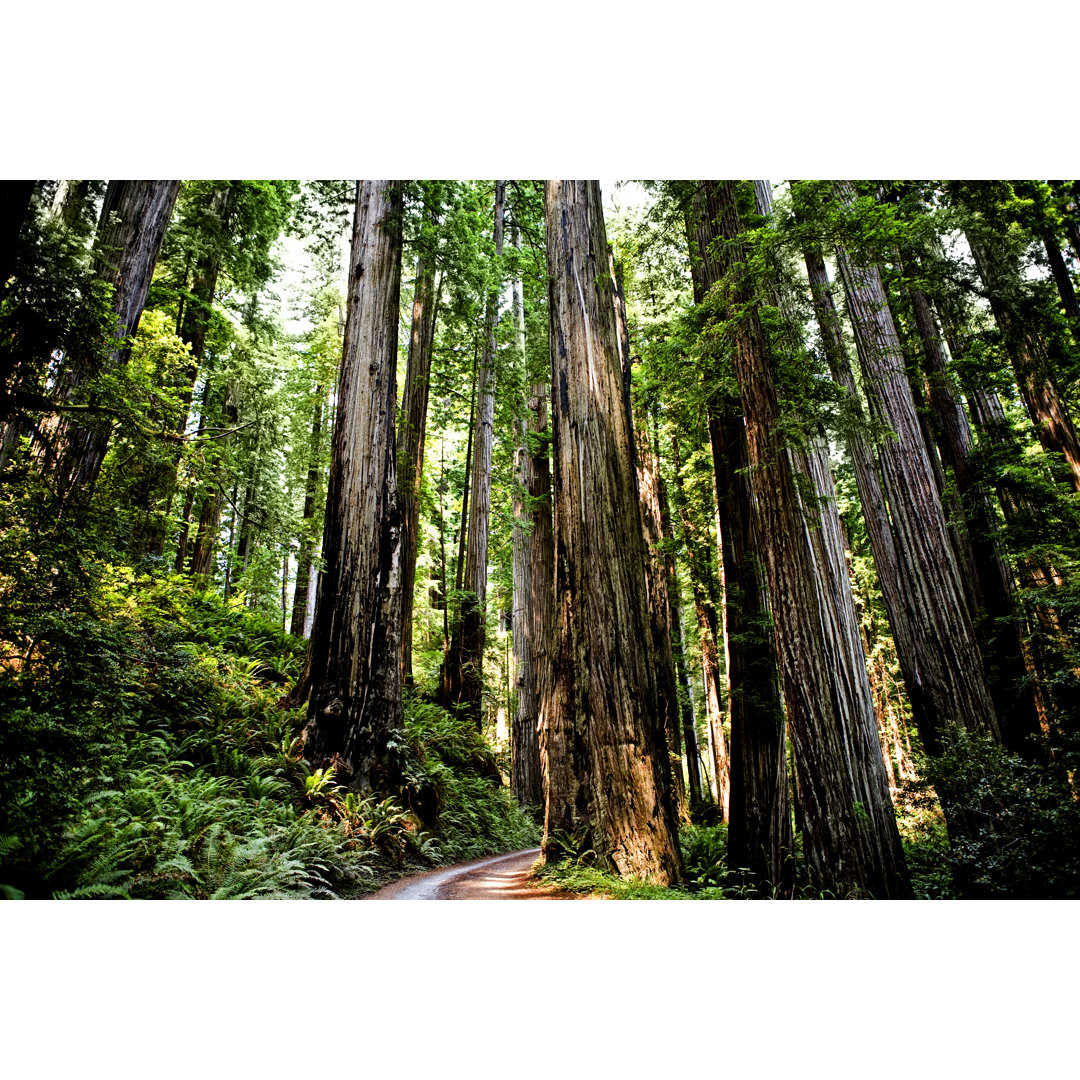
(144, 754)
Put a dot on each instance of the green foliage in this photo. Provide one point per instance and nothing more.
(1022, 821)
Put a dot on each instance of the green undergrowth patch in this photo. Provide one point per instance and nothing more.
(144, 753)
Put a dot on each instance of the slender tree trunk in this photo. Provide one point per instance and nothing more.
(133, 222)
(467, 648)
(1038, 388)
(703, 590)
(607, 782)
(532, 555)
(686, 700)
(355, 648)
(307, 541)
(850, 840)
(647, 469)
(414, 409)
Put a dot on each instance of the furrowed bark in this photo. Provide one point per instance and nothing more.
(759, 831)
(467, 650)
(133, 222)
(848, 839)
(414, 407)
(355, 649)
(947, 685)
(606, 776)
(532, 559)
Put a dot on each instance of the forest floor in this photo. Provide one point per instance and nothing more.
(504, 877)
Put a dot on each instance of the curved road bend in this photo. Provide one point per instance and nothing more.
(504, 877)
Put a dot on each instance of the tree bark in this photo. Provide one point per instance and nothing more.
(307, 541)
(532, 567)
(850, 841)
(354, 678)
(133, 222)
(759, 831)
(1038, 387)
(947, 684)
(606, 778)
(467, 645)
(414, 407)
(647, 471)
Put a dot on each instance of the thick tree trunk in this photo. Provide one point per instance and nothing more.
(533, 563)
(355, 649)
(414, 407)
(759, 831)
(998, 631)
(851, 843)
(607, 783)
(947, 686)
(133, 222)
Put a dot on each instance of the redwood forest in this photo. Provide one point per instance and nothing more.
(685, 539)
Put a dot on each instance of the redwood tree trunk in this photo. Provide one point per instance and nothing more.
(947, 684)
(354, 677)
(533, 565)
(467, 650)
(759, 832)
(850, 840)
(414, 407)
(133, 222)
(307, 541)
(606, 778)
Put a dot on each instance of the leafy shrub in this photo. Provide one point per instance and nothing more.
(1022, 834)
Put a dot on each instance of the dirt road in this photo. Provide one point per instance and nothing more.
(504, 877)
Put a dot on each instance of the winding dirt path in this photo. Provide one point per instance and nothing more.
(504, 877)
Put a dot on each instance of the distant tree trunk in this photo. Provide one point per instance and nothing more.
(450, 678)
(307, 541)
(1038, 388)
(414, 407)
(532, 596)
(133, 222)
(607, 782)
(354, 679)
(686, 700)
(703, 589)
(467, 647)
(850, 840)
(668, 720)
(759, 832)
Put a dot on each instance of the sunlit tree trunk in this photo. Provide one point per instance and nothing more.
(606, 778)
(355, 648)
